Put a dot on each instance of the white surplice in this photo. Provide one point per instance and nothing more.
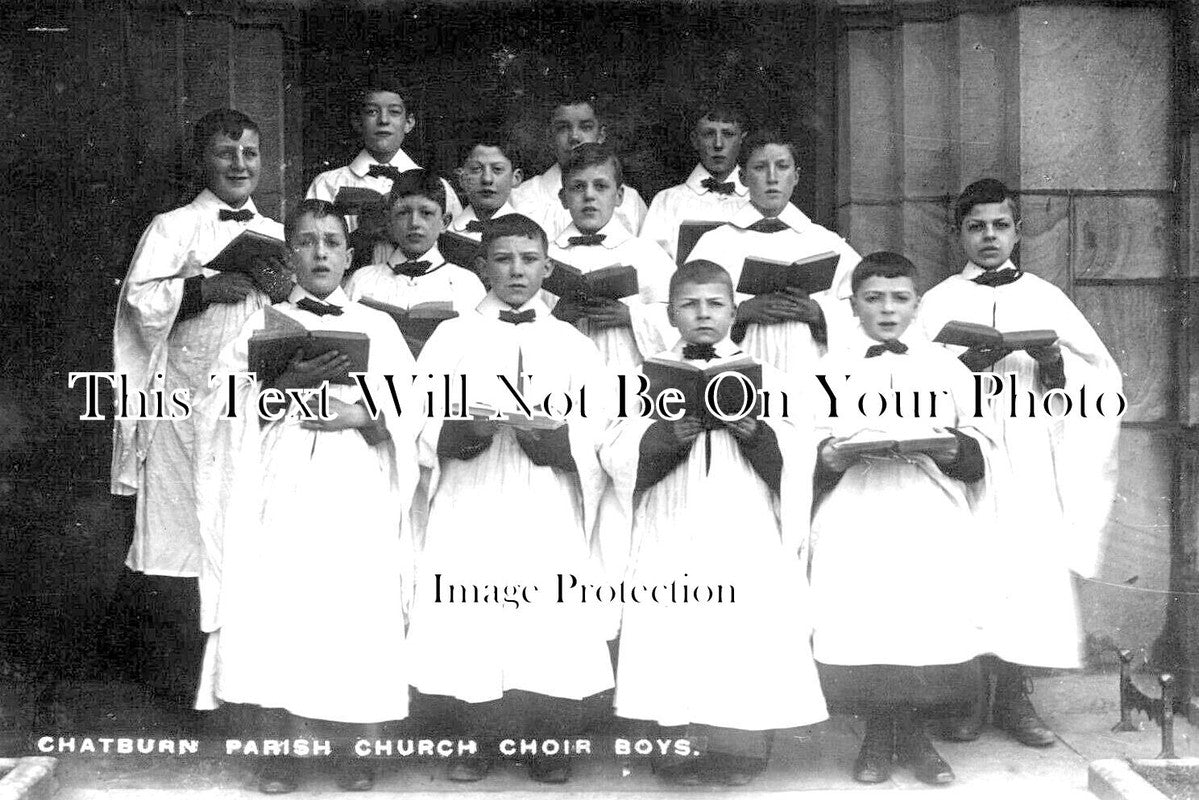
(154, 351)
(688, 201)
(896, 543)
(308, 555)
(499, 519)
(538, 198)
(745, 664)
(442, 281)
(786, 345)
(468, 215)
(1054, 488)
(357, 174)
(649, 331)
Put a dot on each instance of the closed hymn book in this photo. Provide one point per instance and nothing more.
(416, 323)
(878, 443)
(273, 347)
(609, 283)
(809, 275)
(690, 232)
(460, 250)
(356, 200)
(972, 334)
(251, 253)
(692, 382)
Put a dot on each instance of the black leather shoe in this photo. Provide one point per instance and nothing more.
(550, 769)
(873, 764)
(355, 775)
(913, 749)
(1014, 711)
(468, 770)
(276, 776)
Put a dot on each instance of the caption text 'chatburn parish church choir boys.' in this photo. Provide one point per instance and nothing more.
(544, 472)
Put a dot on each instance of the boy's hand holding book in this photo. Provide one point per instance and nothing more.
(225, 287)
(686, 430)
(301, 374)
(1046, 355)
(775, 307)
(605, 313)
(744, 428)
(979, 357)
(344, 416)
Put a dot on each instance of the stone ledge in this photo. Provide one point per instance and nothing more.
(29, 778)
(1115, 779)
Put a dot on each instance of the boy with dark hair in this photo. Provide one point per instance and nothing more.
(787, 329)
(415, 271)
(627, 330)
(308, 551)
(487, 175)
(572, 121)
(1054, 491)
(511, 505)
(714, 191)
(173, 318)
(727, 671)
(900, 523)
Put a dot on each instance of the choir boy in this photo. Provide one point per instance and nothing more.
(415, 271)
(307, 553)
(511, 505)
(788, 330)
(714, 190)
(572, 122)
(1055, 491)
(487, 176)
(629, 329)
(723, 504)
(895, 535)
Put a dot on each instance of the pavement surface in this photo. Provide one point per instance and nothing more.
(809, 762)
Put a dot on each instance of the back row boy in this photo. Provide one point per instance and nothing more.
(714, 191)
(487, 176)
(786, 329)
(572, 122)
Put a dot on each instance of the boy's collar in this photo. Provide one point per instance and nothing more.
(700, 174)
(207, 199)
(364, 160)
(615, 234)
(491, 306)
(856, 343)
(790, 216)
(725, 348)
(337, 297)
(468, 215)
(973, 270)
(432, 255)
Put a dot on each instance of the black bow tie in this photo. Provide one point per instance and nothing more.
(474, 226)
(891, 345)
(518, 318)
(384, 171)
(699, 351)
(720, 187)
(317, 307)
(413, 269)
(768, 225)
(998, 277)
(245, 215)
(587, 239)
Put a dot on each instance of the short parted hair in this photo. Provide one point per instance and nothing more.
(720, 109)
(420, 182)
(383, 83)
(317, 209)
(513, 225)
(759, 139)
(222, 120)
(572, 96)
(593, 154)
(697, 273)
(500, 142)
(882, 264)
(987, 190)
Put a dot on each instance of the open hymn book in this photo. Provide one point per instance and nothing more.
(274, 345)
(972, 334)
(906, 442)
(250, 253)
(809, 275)
(416, 323)
(692, 381)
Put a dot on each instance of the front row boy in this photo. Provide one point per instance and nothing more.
(510, 506)
(717, 506)
(305, 549)
(894, 535)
